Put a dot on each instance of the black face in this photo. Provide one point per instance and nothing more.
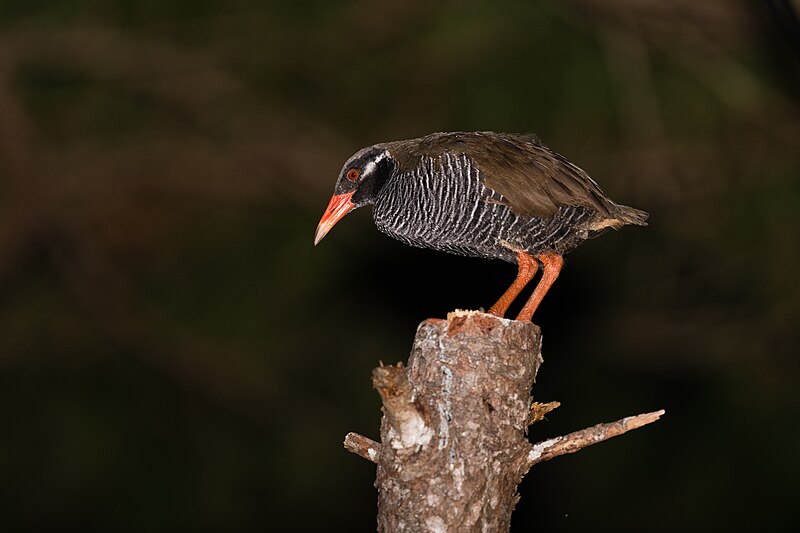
(365, 173)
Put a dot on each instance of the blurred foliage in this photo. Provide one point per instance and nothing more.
(175, 354)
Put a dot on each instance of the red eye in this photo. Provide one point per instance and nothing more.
(352, 174)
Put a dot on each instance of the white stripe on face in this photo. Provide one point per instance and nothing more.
(369, 168)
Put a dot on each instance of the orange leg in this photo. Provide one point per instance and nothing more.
(527, 269)
(552, 263)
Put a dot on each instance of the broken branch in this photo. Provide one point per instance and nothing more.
(573, 442)
(362, 446)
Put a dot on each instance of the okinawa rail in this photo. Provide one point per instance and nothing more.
(481, 194)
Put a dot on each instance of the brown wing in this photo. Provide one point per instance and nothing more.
(532, 179)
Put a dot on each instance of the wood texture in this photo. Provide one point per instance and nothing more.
(454, 441)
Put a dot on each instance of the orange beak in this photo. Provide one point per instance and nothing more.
(338, 207)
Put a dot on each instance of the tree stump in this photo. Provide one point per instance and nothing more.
(454, 441)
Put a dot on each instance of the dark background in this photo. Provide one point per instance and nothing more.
(176, 355)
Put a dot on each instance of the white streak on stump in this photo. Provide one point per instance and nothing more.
(469, 380)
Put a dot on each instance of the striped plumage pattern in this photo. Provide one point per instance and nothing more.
(444, 204)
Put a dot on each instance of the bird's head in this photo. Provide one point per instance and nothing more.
(359, 183)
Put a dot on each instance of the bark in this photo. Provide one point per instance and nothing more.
(453, 436)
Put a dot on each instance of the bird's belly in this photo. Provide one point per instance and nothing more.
(476, 229)
(490, 230)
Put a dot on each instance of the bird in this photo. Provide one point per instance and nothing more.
(480, 194)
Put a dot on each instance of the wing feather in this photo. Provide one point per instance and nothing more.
(530, 178)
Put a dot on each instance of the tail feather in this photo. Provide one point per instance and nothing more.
(631, 215)
(620, 215)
